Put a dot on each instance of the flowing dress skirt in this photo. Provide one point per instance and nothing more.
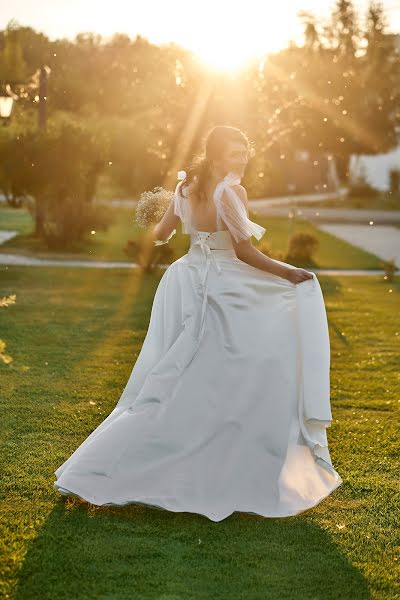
(227, 405)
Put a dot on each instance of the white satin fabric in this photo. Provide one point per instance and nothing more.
(227, 404)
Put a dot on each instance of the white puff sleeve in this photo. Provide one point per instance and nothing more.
(232, 211)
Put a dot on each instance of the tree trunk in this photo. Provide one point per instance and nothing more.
(39, 218)
(342, 166)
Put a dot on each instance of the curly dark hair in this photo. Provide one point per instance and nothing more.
(214, 143)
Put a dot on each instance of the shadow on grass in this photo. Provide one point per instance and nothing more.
(84, 551)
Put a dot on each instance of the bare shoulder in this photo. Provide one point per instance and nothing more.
(240, 189)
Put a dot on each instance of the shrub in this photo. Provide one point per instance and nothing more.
(5, 302)
(149, 256)
(58, 169)
(302, 247)
(394, 175)
(266, 249)
(362, 189)
(69, 221)
(389, 267)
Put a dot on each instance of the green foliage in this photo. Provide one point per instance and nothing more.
(335, 94)
(394, 175)
(264, 178)
(5, 302)
(148, 256)
(332, 94)
(12, 63)
(136, 157)
(389, 267)
(362, 189)
(70, 221)
(15, 152)
(266, 248)
(57, 171)
(302, 247)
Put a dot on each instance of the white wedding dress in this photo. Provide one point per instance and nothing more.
(227, 405)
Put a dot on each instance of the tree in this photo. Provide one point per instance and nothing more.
(12, 63)
(343, 31)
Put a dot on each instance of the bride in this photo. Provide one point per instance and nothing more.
(227, 405)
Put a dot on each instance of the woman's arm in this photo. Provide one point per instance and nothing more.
(246, 252)
(168, 223)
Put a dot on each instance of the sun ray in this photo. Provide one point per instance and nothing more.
(318, 103)
(189, 132)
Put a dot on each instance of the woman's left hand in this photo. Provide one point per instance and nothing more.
(298, 275)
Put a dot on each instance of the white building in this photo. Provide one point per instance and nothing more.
(375, 169)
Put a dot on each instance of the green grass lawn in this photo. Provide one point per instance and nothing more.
(332, 252)
(74, 336)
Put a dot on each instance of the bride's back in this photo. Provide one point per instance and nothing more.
(204, 212)
(221, 210)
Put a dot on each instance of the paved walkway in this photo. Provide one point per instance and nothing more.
(30, 261)
(381, 240)
(14, 260)
(282, 206)
(329, 215)
(7, 235)
(309, 198)
(271, 200)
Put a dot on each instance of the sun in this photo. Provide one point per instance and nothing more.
(227, 38)
(224, 58)
(226, 53)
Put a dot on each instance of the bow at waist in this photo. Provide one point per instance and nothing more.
(209, 256)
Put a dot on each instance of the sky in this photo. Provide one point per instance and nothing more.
(223, 33)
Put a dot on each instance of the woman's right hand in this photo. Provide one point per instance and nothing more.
(298, 275)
